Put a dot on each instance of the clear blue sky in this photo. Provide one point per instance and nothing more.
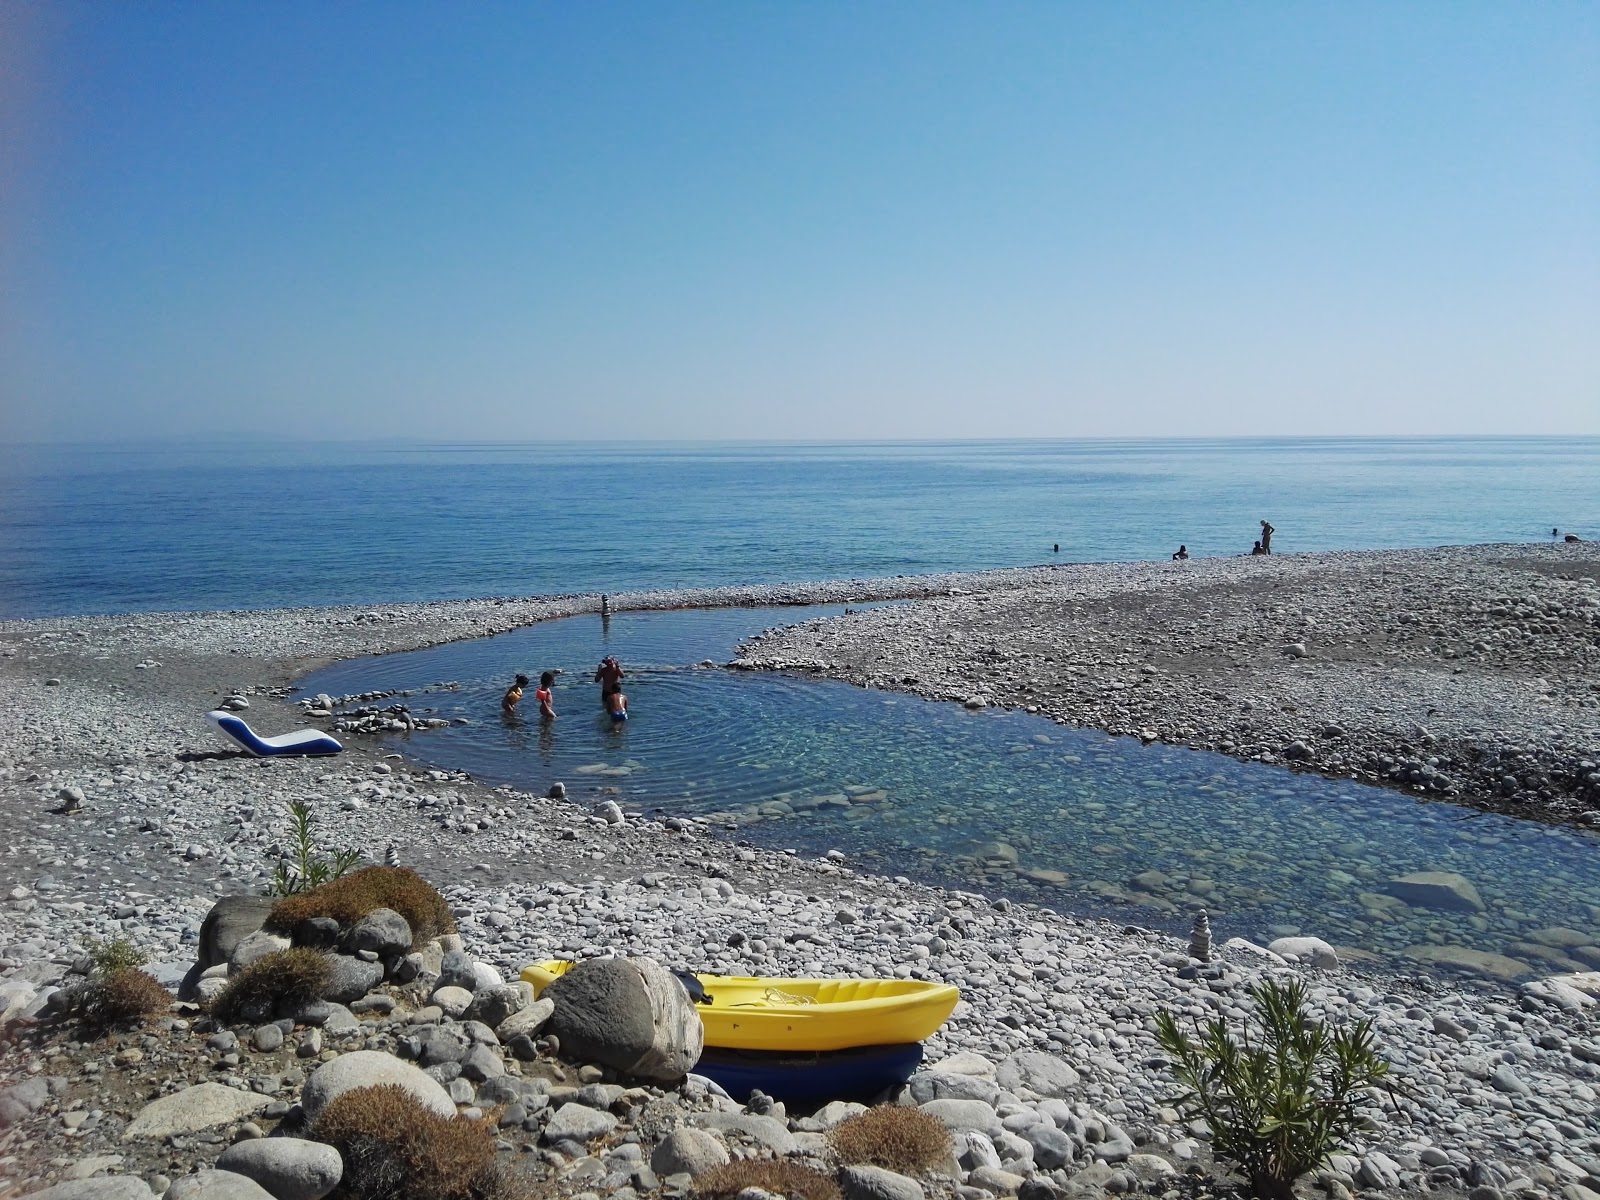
(811, 220)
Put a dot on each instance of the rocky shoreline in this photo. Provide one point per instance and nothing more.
(99, 718)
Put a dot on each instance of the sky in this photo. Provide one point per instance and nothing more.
(798, 220)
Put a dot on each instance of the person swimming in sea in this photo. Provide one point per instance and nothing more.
(513, 696)
(617, 705)
(547, 710)
(609, 676)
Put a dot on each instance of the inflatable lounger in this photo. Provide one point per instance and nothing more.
(301, 741)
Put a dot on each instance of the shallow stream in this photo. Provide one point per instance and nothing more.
(1001, 802)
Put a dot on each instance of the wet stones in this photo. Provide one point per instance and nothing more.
(1444, 890)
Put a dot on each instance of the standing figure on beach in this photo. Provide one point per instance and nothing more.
(609, 676)
(1266, 537)
(547, 710)
(1183, 553)
(513, 696)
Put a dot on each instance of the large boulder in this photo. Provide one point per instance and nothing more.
(876, 1183)
(371, 1068)
(688, 1151)
(116, 1187)
(203, 1106)
(628, 1013)
(350, 978)
(1038, 1072)
(1442, 890)
(382, 931)
(289, 1168)
(230, 921)
(216, 1185)
(1307, 950)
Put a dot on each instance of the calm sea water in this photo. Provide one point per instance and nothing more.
(93, 528)
(998, 801)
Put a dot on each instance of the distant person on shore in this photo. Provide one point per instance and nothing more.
(513, 696)
(1256, 549)
(1266, 537)
(609, 676)
(1572, 537)
(547, 709)
(617, 705)
(1183, 553)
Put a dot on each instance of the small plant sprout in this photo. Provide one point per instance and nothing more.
(305, 867)
(1279, 1106)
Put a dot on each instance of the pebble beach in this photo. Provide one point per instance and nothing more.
(1463, 675)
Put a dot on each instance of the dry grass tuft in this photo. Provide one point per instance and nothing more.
(353, 896)
(780, 1175)
(122, 995)
(392, 1146)
(287, 977)
(907, 1140)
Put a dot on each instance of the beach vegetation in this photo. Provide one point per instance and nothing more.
(306, 867)
(1280, 1099)
(351, 897)
(393, 1146)
(892, 1136)
(115, 954)
(284, 979)
(781, 1176)
(120, 996)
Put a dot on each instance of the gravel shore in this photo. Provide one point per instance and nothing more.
(1460, 656)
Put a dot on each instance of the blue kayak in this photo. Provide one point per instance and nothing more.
(813, 1077)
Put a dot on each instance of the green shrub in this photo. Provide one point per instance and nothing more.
(892, 1136)
(1277, 1109)
(780, 1175)
(349, 899)
(309, 868)
(392, 1146)
(119, 954)
(287, 977)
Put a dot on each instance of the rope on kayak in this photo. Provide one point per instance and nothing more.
(779, 996)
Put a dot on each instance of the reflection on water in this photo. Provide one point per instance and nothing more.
(1003, 802)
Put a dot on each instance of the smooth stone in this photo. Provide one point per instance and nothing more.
(965, 1114)
(371, 1068)
(452, 1000)
(230, 921)
(351, 978)
(876, 1183)
(121, 1187)
(1308, 950)
(382, 931)
(578, 1123)
(289, 1168)
(1442, 890)
(529, 1020)
(216, 1185)
(203, 1106)
(1038, 1072)
(770, 1132)
(688, 1149)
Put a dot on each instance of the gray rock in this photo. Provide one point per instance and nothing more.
(230, 921)
(481, 1063)
(875, 1183)
(529, 1020)
(351, 978)
(371, 1068)
(578, 1123)
(289, 1168)
(216, 1185)
(255, 946)
(965, 1114)
(267, 1038)
(455, 970)
(1040, 1073)
(628, 1013)
(688, 1150)
(453, 1001)
(203, 1106)
(1307, 950)
(383, 931)
(769, 1131)
(116, 1188)
(1442, 890)
(318, 933)
(1052, 1147)
(938, 1085)
(494, 1005)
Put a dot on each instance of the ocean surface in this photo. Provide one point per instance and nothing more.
(999, 802)
(96, 529)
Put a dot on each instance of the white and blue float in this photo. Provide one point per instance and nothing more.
(300, 742)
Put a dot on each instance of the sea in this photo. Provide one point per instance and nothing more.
(100, 528)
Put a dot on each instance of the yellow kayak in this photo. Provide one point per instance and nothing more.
(753, 1013)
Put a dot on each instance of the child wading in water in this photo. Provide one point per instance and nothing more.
(513, 696)
(617, 705)
(547, 710)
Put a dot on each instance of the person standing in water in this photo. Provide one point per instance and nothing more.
(1266, 537)
(547, 711)
(617, 706)
(513, 696)
(1183, 553)
(609, 676)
